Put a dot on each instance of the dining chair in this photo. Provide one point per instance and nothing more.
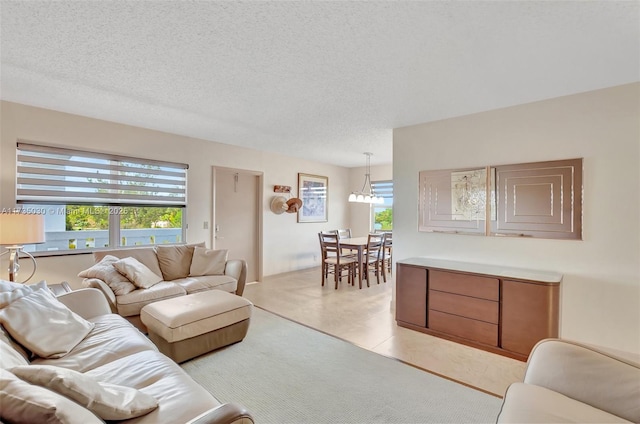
(325, 268)
(333, 262)
(329, 232)
(388, 251)
(374, 257)
(345, 234)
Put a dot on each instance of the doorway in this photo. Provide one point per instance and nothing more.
(237, 217)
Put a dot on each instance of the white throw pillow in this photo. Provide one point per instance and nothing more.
(42, 324)
(25, 403)
(9, 285)
(208, 262)
(105, 271)
(7, 297)
(108, 401)
(137, 272)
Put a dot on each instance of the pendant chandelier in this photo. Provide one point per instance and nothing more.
(366, 195)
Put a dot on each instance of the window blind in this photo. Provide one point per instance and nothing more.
(383, 189)
(47, 174)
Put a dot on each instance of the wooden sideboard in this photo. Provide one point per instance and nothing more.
(499, 309)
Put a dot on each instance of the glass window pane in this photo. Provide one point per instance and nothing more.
(383, 212)
(80, 227)
(72, 227)
(150, 225)
(383, 219)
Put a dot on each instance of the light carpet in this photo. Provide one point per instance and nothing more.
(284, 372)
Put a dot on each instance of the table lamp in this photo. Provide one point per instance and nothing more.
(17, 230)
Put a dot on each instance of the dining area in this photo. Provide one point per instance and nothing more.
(354, 258)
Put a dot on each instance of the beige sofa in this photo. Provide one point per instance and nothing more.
(570, 382)
(113, 354)
(175, 266)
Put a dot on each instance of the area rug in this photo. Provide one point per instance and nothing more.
(284, 372)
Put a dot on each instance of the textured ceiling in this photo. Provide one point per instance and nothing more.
(325, 81)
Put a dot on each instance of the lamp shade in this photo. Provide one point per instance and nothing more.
(18, 229)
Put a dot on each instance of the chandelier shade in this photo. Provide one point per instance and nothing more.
(366, 195)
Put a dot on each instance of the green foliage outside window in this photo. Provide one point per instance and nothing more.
(384, 219)
(151, 217)
(82, 217)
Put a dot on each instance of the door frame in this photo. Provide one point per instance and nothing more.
(258, 217)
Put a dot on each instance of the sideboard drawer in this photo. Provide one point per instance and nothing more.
(465, 284)
(470, 329)
(465, 306)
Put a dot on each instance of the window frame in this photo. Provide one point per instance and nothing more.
(381, 188)
(120, 182)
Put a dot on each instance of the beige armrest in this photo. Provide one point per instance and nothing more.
(587, 375)
(237, 268)
(96, 283)
(87, 303)
(227, 413)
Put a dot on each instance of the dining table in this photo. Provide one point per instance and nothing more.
(358, 244)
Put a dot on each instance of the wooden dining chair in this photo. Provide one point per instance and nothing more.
(374, 257)
(388, 252)
(333, 262)
(345, 234)
(325, 268)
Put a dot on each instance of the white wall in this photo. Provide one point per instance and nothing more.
(288, 246)
(600, 293)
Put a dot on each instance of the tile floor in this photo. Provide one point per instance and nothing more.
(364, 317)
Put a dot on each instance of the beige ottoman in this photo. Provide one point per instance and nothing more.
(188, 326)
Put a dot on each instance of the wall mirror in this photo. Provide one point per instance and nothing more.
(539, 199)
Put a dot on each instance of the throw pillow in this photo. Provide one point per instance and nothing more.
(174, 261)
(42, 324)
(208, 262)
(25, 403)
(9, 285)
(138, 273)
(7, 297)
(105, 271)
(108, 401)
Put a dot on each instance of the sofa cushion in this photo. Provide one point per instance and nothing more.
(105, 271)
(112, 338)
(25, 403)
(587, 375)
(43, 325)
(130, 304)
(174, 260)
(137, 272)
(144, 255)
(179, 396)
(208, 282)
(526, 403)
(207, 262)
(108, 401)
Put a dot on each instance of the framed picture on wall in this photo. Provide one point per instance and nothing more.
(314, 192)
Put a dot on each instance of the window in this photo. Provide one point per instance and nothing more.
(93, 200)
(383, 213)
